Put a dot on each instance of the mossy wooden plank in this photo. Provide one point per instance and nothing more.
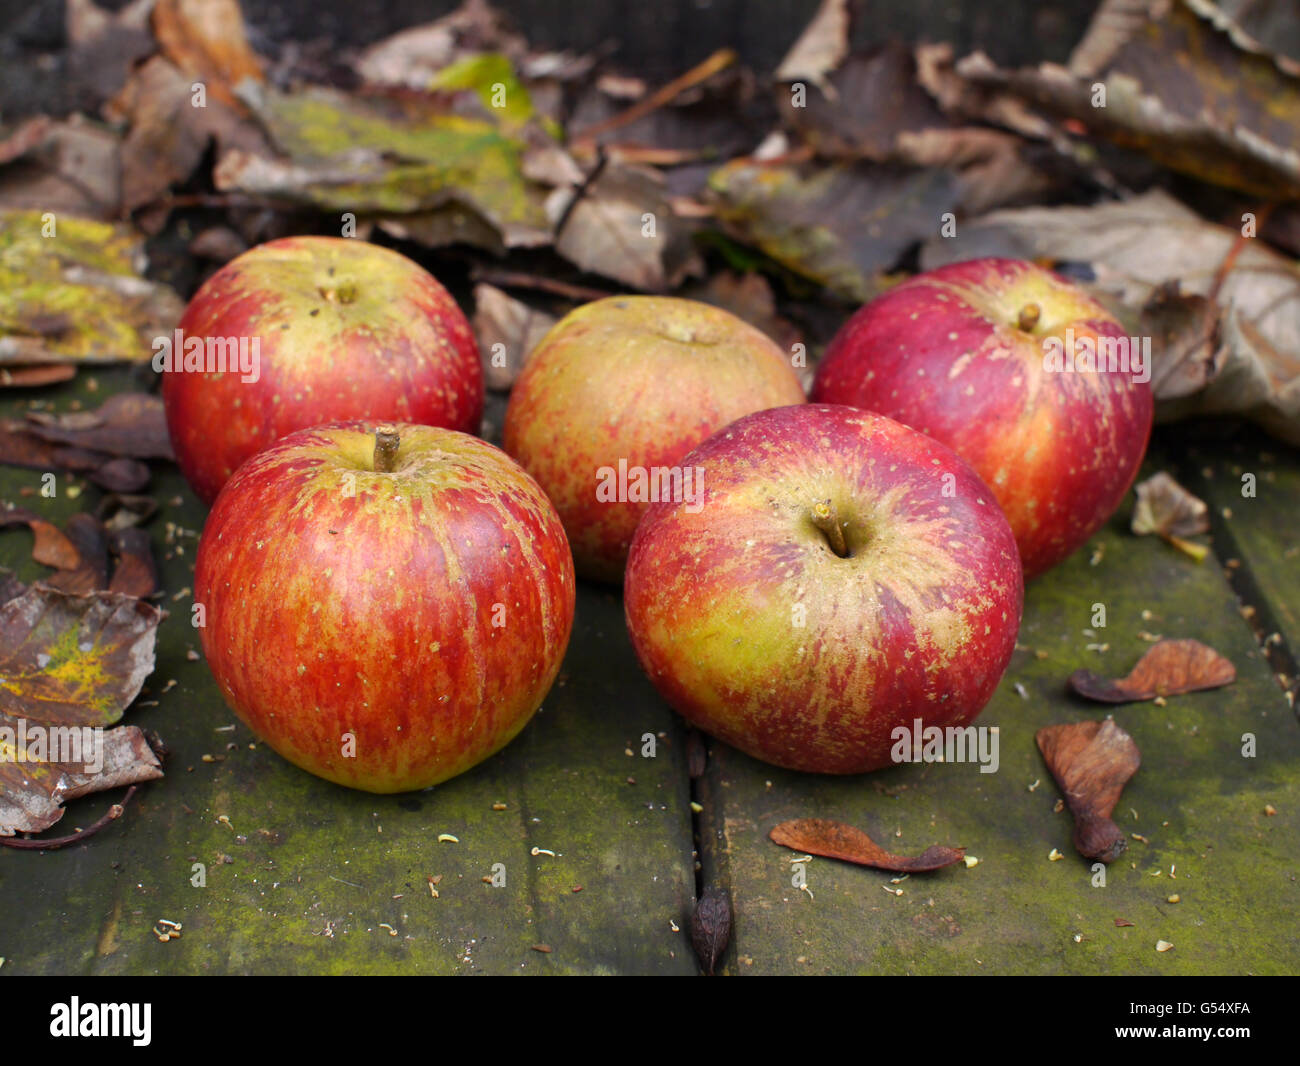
(1252, 487)
(305, 877)
(1198, 802)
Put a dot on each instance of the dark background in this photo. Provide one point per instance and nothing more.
(655, 39)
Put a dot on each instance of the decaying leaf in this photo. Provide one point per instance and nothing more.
(130, 424)
(1139, 248)
(20, 447)
(841, 226)
(711, 927)
(502, 320)
(377, 156)
(1169, 668)
(74, 292)
(623, 228)
(835, 840)
(1168, 510)
(67, 168)
(207, 41)
(1177, 88)
(32, 376)
(70, 662)
(820, 48)
(135, 573)
(1092, 762)
(89, 572)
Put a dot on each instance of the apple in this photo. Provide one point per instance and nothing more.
(844, 577)
(306, 330)
(385, 606)
(616, 393)
(988, 356)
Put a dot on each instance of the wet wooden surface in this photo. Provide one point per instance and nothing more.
(303, 876)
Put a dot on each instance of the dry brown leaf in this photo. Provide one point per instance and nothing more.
(711, 928)
(1168, 510)
(206, 39)
(1170, 668)
(1091, 762)
(130, 424)
(821, 47)
(70, 661)
(502, 320)
(835, 840)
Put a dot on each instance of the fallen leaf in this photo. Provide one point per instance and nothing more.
(1091, 761)
(502, 320)
(50, 546)
(75, 293)
(1168, 510)
(103, 44)
(841, 226)
(121, 510)
(835, 840)
(381, 156)
(68, 168)
(135, 573)
(90, 570)
(820, 48)
(749, 297)
(711, 927)
(623, 228)
(1123, 923)
(1169, 668)
(70, 661)
(31, 376)
(130, 424)
(207, 41)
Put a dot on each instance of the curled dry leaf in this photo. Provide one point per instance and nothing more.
(1170, 668)
(835, 840)
(70, 661)
(1168, 510)
(75, 293)
(207, 40)
(711, 928)
(500, 319)
(1092, 762)
(130, 424)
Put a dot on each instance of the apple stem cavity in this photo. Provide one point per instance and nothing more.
(827, 519)
(387, 442)
(1028, 319)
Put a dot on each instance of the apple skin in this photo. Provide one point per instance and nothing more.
(943, 353)
(639, 378)
(373, 614)
(919, 621)
(347, 330)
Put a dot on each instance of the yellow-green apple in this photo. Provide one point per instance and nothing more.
(845, 577)
(386, 606)
(306, 330)
(1020, 372)
(613, 397)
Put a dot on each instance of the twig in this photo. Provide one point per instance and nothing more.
(720, 60)
(114, 812)
(601, 160)
(514, 279)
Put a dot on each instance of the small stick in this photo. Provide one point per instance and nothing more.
(720, 60)
(114, 813)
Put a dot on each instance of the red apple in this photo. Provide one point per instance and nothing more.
(971, 354)
(844, 577)
(384, 617)
(341, 329)
(616, 393)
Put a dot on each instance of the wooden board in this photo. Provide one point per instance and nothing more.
(1199, 803)
(307, 877)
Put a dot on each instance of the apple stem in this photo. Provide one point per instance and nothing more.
(827, 519)
(386, 444)
(1029, 317)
